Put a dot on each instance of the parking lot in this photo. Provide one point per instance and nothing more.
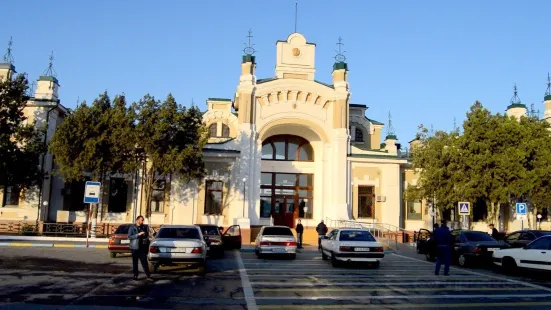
(63, 278)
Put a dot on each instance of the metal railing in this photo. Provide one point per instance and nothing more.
(386, 233)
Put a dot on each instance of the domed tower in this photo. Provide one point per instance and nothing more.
(516, 109)
(7, 69)
(547, 100)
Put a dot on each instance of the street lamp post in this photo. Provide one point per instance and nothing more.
(244, 192)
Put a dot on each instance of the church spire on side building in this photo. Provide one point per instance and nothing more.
(516, 108)
(7, 69)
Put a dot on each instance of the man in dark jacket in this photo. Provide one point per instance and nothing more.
(493, 232)
(300, 230)
(139, 241)
(321, 229)
(444, 243)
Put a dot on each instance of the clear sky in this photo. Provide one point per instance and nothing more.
(425, 61)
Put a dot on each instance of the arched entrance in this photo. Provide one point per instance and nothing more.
(287, 194)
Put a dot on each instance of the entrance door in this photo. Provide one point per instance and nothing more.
(285, 211)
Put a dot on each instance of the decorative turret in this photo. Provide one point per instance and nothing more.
(340, 84)
(547, 100)
(516, 109)
(244, 101)
(390, 140)
(7, 69)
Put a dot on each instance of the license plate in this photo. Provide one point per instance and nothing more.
(278, 250)
(175, 250)
(362, 249)
(125, 241)
(493, 249)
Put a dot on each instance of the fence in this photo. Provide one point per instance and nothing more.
(57, 229)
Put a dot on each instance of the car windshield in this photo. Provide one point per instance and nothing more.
(356, 235)
(210, 230)
(541, 233)
(178, 233)
(277, 231)
(477, 236)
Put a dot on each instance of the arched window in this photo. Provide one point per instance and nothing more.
(359, 135)
(213, 130)
(225, 131)
(287, 147)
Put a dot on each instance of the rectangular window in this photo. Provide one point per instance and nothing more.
(284, 179)
(414, 209)
(265, 206)
(11, 196)
(213, 197)
(293, 192)
(158, 197)
(366, 201)
(118, 195)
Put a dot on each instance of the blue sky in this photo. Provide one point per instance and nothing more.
(425, 61)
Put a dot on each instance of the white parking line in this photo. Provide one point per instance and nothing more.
(245, 283)
(307, 284)
(539, 287)
(338, 276)
(363, 297)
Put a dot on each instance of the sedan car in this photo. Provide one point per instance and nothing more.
(275, 240)
(119, 243)
(536, 255)
(351, 245)
(178, 245)
(220, 240)
(519, 239)
(474, 247)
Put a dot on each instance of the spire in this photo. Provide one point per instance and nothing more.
(50, 71)
(533, 112)
(296, 15)
(340, 59)
(8, 57)
(515, 100)
(249, 50)
(390, 134)
(548, 90)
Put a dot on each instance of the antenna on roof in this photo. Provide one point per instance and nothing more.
(296, 15)
(8, 58)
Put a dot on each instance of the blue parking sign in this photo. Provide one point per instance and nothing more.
(521, 208)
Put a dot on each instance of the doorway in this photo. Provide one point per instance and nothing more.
(285, 212)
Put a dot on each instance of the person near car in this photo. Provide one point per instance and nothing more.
(300, 230)
(492, 231)
(139, 241)
(444, 243)
(321, 229)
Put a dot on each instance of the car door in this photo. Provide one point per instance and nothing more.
(332, 240)
(512, 240)
(536, 255)
(326, 241)
(232, 238)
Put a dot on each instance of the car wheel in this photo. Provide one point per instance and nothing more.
(334, 261)
(462, 260)
(112, 254)
(153, 268)
(509, 264)
(324, 256)
(202, 270)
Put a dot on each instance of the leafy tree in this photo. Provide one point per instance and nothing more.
(21, 144)
(171, 138)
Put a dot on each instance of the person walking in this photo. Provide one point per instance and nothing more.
(321, 229)
(139, 241)
(444, 244)
(492, 231)
(300, 230)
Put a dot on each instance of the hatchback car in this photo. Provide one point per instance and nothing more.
(276, 240)
(178, 245)
(119, 243)
(351, 245)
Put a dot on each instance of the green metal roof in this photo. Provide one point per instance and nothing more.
(219, 99)
(340, 66)
(374, 122)
(221, 142)
(324, 84)
(7, 66)
(260, 81)
(547, 97)
(516, 105)
(353, 105)
(391, 137)
(48, 78)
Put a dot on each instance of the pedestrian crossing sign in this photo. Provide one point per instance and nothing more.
(464, 208)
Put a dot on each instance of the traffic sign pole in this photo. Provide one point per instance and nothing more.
(88, 223)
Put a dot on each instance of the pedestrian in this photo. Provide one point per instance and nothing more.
(300, 230)
(321, 229)
(139, 242)
(492, 231)
(444, 243)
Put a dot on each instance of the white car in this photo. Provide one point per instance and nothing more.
(277, 240)
(535, 255)
(351, 245)
(178, 245)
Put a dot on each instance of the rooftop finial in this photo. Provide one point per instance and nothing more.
(296, 15)
(8, 58)
(50, 71)
(515, 99)
(533, 112)
(548, 91)
(249, 47)
(390, 128)
(454, 124)
(340, 53)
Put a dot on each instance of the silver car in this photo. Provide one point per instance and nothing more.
(178, 245)
(276, 240)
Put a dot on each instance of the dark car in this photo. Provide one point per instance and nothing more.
(521, 238)
(423, 241)
(220, 240)
(474, 247)
(119, 243)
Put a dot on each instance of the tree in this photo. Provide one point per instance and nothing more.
(96, 140)
(171, 138)
(21, 144)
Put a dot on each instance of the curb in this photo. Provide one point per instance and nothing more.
(11, 238)
(51, 245)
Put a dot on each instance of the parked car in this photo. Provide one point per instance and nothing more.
(535, 255)
(422, 240)
(119, 243)
(178, 245)
(474, 247)
(276, 240)
(519, 239)
(220, 240)
(351, 245)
